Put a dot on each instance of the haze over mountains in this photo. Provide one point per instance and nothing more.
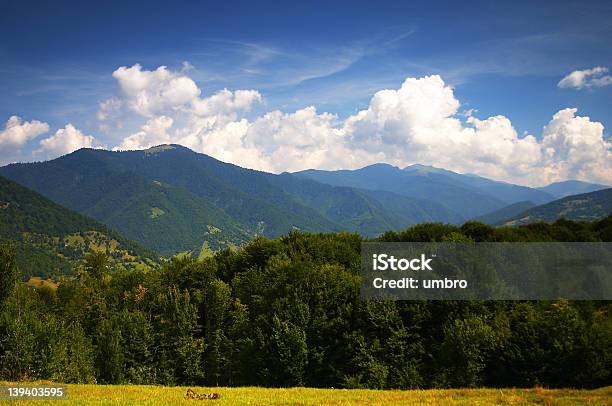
(467, 195)
(172, 199)
(571, 187)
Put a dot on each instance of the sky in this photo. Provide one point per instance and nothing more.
(514, 91)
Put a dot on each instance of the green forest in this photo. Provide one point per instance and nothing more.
(286, 312)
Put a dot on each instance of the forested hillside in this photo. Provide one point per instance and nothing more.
(50, 240)
(467, 195)
(169, 198)
(287, 312)
(583, 207)
(500, 216)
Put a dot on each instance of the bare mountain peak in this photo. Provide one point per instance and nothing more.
(159, 148)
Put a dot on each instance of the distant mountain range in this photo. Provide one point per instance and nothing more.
(172, 199)
(571, 187)
(52, 238)
(466, 195)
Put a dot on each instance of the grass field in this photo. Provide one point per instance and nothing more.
(159, 395)
(38, 282)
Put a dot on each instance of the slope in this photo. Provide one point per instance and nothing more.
(458, 193)
(583, 207)
(164, 218)
(501, 215)
(51, 239)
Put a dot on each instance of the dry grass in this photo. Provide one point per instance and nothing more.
(160, 395)
(38, 282)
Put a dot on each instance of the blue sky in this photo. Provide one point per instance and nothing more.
(58, 58)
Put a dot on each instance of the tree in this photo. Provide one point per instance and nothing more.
(96, 264)
(137, 343)
(467, 347)
(8, 272)
(109, 356)
(72, 355)
(288, 312)
(17, 350)
(288, 354)
(179, 347)
(18, 319)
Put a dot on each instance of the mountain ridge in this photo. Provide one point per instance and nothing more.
(571, 187)
(467, 195)
(172, 199)
(257, 203)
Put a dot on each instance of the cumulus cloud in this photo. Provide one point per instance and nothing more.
(420, 122)
(162, 91)
(294, 141)
(163, 99)
(17, 132)
(152, 92)
(153, 132)
(587, 78)
(64, 141)
(226, 102)
(575, 148)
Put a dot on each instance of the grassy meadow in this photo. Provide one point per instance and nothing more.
(163, 395)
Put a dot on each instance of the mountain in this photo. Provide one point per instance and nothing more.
(367, 212)
(51, 239)
(468, 196)
(507, 192)
(164, 218)
(571, 187)
(171, 199)
(582, 207)
(501, 215)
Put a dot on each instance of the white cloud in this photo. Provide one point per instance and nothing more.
(294, 141)
(587, 78)
(153, 132)
(152, 92)
(17, 132)
(108, 108)
(64, 141)
(227, 102)
(171, 99)
(420, 122)
(575, 148)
